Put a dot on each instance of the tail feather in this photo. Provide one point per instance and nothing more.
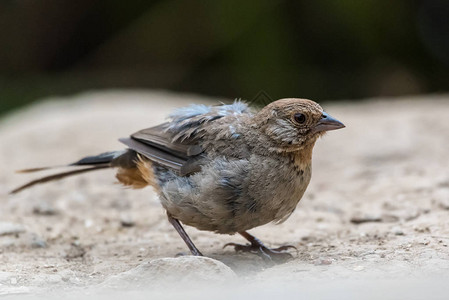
(124, 159)
(102, 158)
(32, 170)
(57, 176)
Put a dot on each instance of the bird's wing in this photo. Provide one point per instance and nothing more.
(177, 144)
(155, 154)
(190, 123)
(163, 139)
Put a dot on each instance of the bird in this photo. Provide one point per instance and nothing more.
(226, 168)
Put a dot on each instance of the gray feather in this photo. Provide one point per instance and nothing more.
(57, 176)
(102, 158)
(189, 123)
(154, 154)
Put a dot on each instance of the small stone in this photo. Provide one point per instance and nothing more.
(365, 219)
(411, 215)
(322, 262)
(7, 228)
(390, 218)
(422, 228)
(359, 268)
(88, 223)
(75, 251)
(126, 221)
(37, 242)
(44, 209)
(397, 231)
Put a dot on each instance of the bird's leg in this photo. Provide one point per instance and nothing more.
(256, 246)
(184, 235)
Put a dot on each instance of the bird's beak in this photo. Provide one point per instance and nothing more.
(326, 123)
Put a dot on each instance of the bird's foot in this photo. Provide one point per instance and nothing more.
(268, 254)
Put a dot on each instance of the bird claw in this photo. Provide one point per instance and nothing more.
(242, 248)
(275, 254)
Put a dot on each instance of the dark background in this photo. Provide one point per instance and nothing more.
(323, 49)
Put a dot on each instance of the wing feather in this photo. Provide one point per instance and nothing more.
(177, 144)
(159, 156)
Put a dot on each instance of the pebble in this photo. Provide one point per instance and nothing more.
(88, 223)
(359, 268)
(7, 228)
(322, 262)
(75, 251)
(44, 209)
(37, 242)
(127, 221)
(365, 219)
(397, 231)
(390, 218)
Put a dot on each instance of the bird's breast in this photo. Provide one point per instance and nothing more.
(274, 186)
(231, 195)
(289, 183)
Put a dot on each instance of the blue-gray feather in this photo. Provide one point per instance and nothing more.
(188, 122)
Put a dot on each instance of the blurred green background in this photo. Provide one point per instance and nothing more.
(322, 49)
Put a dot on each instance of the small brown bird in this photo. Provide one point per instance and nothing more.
(223, 168)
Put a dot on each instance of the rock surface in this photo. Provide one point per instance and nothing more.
(181, 270)
(374, 216)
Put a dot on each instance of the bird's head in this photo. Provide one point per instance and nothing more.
(291, 124)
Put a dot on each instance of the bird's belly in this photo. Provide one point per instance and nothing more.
(216, 201)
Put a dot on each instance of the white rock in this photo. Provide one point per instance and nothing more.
(7, 228)
(165, 271)
(359, 268)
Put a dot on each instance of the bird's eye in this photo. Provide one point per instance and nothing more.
(299, 118)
